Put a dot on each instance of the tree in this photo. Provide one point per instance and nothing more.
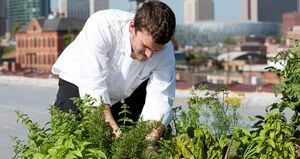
(16, 27)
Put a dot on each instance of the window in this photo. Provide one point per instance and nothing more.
(44, 57)
(53, 41)
(34, 43)
(44, 42)
(35, 58)
(49, 40)
(26, 42)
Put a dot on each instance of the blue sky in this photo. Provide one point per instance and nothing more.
(224, 9)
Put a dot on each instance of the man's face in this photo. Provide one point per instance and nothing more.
(142, 45)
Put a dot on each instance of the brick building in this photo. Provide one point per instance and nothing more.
(289, 20)
(41, 41)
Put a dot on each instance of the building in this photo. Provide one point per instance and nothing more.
(21, 12)
(41, 41)
(292, 35)
(197, 10)
(134, 4)
(62, 8)
(289, 20)
(2, 16)
(267, 10)
(244, 68)
(254, 47)
(96, 5)
(80, 9)
(214, 32)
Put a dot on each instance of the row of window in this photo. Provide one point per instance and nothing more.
(35, 42)
(37, 59)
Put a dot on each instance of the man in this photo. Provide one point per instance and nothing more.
(119, 55)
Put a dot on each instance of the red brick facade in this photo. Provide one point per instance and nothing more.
(37, 50)
(289, 20)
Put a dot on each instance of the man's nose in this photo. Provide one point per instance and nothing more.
(149, 53)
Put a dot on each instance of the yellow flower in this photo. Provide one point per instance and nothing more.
(233, 101)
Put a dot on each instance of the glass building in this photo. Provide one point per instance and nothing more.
(267, 10)
(20, 12)
(2, 17)
(213, 32)
(78, 9)
(81, 9)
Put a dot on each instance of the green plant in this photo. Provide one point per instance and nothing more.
(289, 82)
(132, 142)
(67, 135)
(84, 134)
(199, 143)
(219, 115)
(273, 139)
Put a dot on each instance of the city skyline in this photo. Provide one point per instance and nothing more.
(223, 10)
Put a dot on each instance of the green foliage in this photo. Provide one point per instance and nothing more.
(6, 49)
(125, 120)
(82, 135)
(197, 59)
(70, 36)
(207, 128)
(219, 116)
(278, 40)
(198, 143)
(16, 27)
(67, 136)
(273, 140)
(131, 144)
(289, 82)
(229, 41)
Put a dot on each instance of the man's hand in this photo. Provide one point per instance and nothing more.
(154, 137)
(116, 132)
(156, 134)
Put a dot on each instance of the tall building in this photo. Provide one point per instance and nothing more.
(197, 10)
(2, 16)
(20, 12)
(267, 10)
(96, 5)
(62, 7)
(80, 9)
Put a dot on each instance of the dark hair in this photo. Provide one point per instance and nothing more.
(157, 19)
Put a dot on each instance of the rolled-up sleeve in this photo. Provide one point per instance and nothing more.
(161, 91)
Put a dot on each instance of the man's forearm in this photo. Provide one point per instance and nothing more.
(156, 133)
(111, 121)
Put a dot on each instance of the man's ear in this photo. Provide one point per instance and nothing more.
(131, 26)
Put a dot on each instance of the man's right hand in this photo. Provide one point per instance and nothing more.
(109, 119)
(116, 132)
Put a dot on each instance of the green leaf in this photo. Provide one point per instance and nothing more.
(38, 156)
(271, 143)
(272, 135)
(69, 143)
(77, 153)
(70, 156)
(52, 152)
(259, 117)
(246, 132)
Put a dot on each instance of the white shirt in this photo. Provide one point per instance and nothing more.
(98, 61)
